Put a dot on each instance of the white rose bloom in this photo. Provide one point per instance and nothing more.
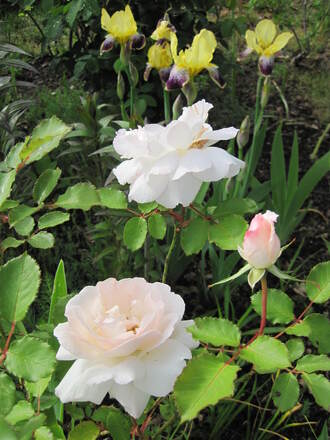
(169, 164)
(127, 338)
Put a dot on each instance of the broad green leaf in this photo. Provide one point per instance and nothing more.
(312, 362)
(43, 433)
(12, 159)
(84, 431)
(235, 206)
(229, 233)
(216, 331)
(19, 281)
(118, 424)
(74, 8)
(80, 196)
(194, 236)
(319, 332)
(318, 283)
(285, 391)
(21, 212)
(36, 389)
(23, 410)
(8, 204)
(59, 291)
(147, 207)
(7, 394)
(6, 182)
(25, 226)
(279, 306)
(44, 138)
(10, 242)
(296, 348)
(30, 359)
(7, 431)
(112, 198)
(75, 412)
(299, 329)
(157, 226)
(135, 232)
(51, 219)
(319, 387)
(28, 428)
(42, 240)
(203, 382)
(267, 354)
(45, 184)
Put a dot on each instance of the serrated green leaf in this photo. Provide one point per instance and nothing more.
(296, 348)
(229, 233)
(30, 359)
(21, 212)
(45, 184)
(135, 232)
(59, 291)
(51, 219)
(23, 410)
(319, 333)
(319, 387)
(216, 331)
(194, 236)
(147, 207)
(36, 389)
(44, 138)
(11, 242)
(118, 424)
(235, 206)
(8, 204)
(42, 240)
(7, 431)
(74, 412)
(7, 394)
(6, 183)
(318, 283)
(279, 306)
(80, 196)
(285, 391)
(29, 427)
(84, 431)
(157, 226)
(299, 329)
(19, 281)
(267, 354)
(25, 226)
(312, 362)
(112, 198)
(203, 382)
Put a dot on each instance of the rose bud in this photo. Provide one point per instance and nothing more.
(261, 245)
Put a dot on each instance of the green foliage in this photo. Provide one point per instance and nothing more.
(194, 236)
(59, 292)
(80, 196)
(312, 362)
(319, 386)
(285, 391)
(23, 410)
(45, 184)
(30, 359)
(318, 283)
(135, 233)
(51, 219)
(19, 280)
(203, 382)
(216, 331)
(112, 198)
(279, 306)
(296, 348)
(6, 182)
(267, 354)
(42, 240)
(84, 431)
(229, 233)
(317, 328)
(118, 424)
(7, 394)
(24, 227)
(157, 226)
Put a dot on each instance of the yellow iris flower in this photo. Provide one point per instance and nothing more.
(159, 56)
(198, 56)
(163, 31)
(264, 40)
(121, 25)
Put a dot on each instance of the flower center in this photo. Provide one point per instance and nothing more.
(199, 143)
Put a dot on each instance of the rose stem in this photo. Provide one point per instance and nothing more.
(263, 305)
(168, 256)
(4, 353)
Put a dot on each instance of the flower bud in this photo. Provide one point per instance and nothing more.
(265, 93)
(244, 132)
(134, 74)
(177, 106)
(120, 86)
(261, 246)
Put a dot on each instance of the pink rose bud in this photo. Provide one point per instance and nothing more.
(261, 245)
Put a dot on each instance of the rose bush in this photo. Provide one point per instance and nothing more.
(127, 338)
(169, 164)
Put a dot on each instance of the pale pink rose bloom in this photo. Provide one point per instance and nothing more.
(169, 164)
(127, 338)
(261, 246)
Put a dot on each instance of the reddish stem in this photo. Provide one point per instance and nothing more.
(5, 350)
(296, 320)
(263, 305)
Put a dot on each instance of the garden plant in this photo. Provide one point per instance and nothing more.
(153, 280)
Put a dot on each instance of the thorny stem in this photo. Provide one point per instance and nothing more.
(168, 256)
(5, 350)
(296, 321)
(263, 305)
(198, 212)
